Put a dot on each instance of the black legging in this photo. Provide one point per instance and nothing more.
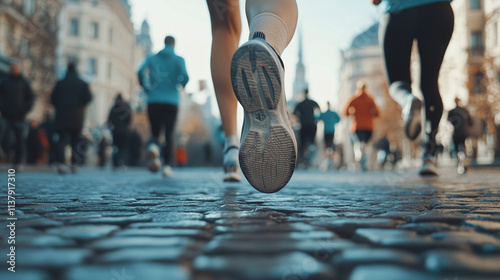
(163, 116)
(432, 26)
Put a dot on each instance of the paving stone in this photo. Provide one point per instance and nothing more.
(165, 232)
(175, 216)
(489, 226)
(462, 262)
(294, 265)
(39, 223)
(399, 239)
(267, 227)
(349, 226)
(212, 216)
(480, 241)
(83, 232)
(444, 218)
(119, 221)
(138, 241)
(43, 241)
(189, 224)
(168, 254)
(390, 272)
(128, 271)
(425, 228)
(50, 258)
(68, 216)
(323, 250)
(25, 274)
(364, 256)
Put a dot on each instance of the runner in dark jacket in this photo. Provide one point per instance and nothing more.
(70, 96)
(119, 121)
(16, 100)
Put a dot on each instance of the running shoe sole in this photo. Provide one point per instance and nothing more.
(153, 160)
(268, 152)
(413, 124)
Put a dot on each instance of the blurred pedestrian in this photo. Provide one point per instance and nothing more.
(460, 118)
(70, 97)
(38, 144)
(135, 149)
(430, 23)
(119, 120)
(268, 149)
(330, 118)
(307, 112)
(16, 100)
(48, 126)
(160, 75)
(364, 110)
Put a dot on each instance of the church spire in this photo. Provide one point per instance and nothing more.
(300, 83)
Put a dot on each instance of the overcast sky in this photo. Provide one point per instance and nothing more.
(327, 26)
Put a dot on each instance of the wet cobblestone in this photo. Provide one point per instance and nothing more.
(353, 226)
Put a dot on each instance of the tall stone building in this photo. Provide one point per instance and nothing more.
(471, 68)
(99, 36)
(28, 33)
(363, 61)
(144, 39)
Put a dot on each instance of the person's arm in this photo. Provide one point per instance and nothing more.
(345, 111)
(30, 97)
(54, 95)
(183, 75)
(140, 73)
(375, 111)
(87, 96)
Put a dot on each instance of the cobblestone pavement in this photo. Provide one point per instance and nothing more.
(360, 226)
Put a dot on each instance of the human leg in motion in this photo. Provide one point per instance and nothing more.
(268, 152)
(397, 32)
(169, 117)
(226, 31)
(153, 149)
(433, 41)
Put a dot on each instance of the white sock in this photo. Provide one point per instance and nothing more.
(232, 141)
(277, 34)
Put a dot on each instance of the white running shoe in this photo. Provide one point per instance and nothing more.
(429, 167)
(153, 157)
(412, 116)
(268, 152)
(231, 165)
(167, 171)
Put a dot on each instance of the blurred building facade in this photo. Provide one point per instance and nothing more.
(28, 30)
(471, 67)
(363, 61)
(99, 36)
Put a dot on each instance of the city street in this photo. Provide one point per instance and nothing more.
(336, 225)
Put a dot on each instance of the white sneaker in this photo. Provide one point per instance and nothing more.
(153, 158)
(268, 152)
(412, 116)
(462, 168)
(231, 165)
(429, 167)
(167, 171)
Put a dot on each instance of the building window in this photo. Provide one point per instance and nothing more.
(93, 66)
(475, 4)
(477, 43)
(478, 86)
(94, 28)
(74, 27)
(29, 7)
